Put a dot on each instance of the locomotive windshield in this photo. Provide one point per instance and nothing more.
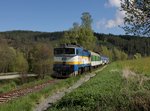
(58, 51)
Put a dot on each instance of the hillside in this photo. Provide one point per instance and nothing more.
(35, 49)
(129, 44)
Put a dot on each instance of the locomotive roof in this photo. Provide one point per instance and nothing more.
(70, 46)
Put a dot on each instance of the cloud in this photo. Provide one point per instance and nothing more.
(113, 3)
(119, 15)
(100, 23)
(118, 20)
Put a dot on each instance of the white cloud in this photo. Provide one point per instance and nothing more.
(119, 15)
(118, 20)
(115, 3)
(100, 23)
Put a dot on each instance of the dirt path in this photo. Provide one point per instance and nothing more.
(57, 96)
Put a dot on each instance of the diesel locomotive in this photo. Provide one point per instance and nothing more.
(71, 60)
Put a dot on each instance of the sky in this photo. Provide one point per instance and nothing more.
(59, 15)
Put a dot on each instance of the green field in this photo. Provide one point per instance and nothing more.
(122, 86)
(27, 103)
(140, 66)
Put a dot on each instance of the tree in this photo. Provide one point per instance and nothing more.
(21, 64)
(76, 26)
(7, 58)
(86, 20)
(137, 19)
(41, 59)
(106, 52)
(119, 55)
(81, 34)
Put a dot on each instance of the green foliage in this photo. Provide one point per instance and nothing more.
(83, 34)
(119, 55)
(7, 87)
(21, 63)
(98, 91)
(7, 57)
(140, 66)
(109, 90)
(86, 20)
(107, 52)
(23, 42)
(124, 56)
(12, 60)
(41, 59)
(137, 19)
(137, 56)
(113, 54)
(126, 43)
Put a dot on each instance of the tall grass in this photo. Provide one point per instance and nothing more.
(109, 91)
(140, 66)
(5, 87)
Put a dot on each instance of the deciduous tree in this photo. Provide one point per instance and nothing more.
(82, 34)
(41, 59)
(7, 58)
(137, 19)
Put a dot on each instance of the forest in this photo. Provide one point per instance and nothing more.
(32, 52)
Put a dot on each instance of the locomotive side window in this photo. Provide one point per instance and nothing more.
(58, 51)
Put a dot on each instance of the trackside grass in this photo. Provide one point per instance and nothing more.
(27, 103)
(112, 90)
(9, 85)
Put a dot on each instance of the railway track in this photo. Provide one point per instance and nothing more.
(5, 97)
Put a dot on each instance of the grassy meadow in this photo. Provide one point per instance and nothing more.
(28, 102)
(122, 86)
(140, 66)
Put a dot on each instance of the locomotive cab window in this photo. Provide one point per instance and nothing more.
(69, 51)
(78, 51)
(58, 51)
